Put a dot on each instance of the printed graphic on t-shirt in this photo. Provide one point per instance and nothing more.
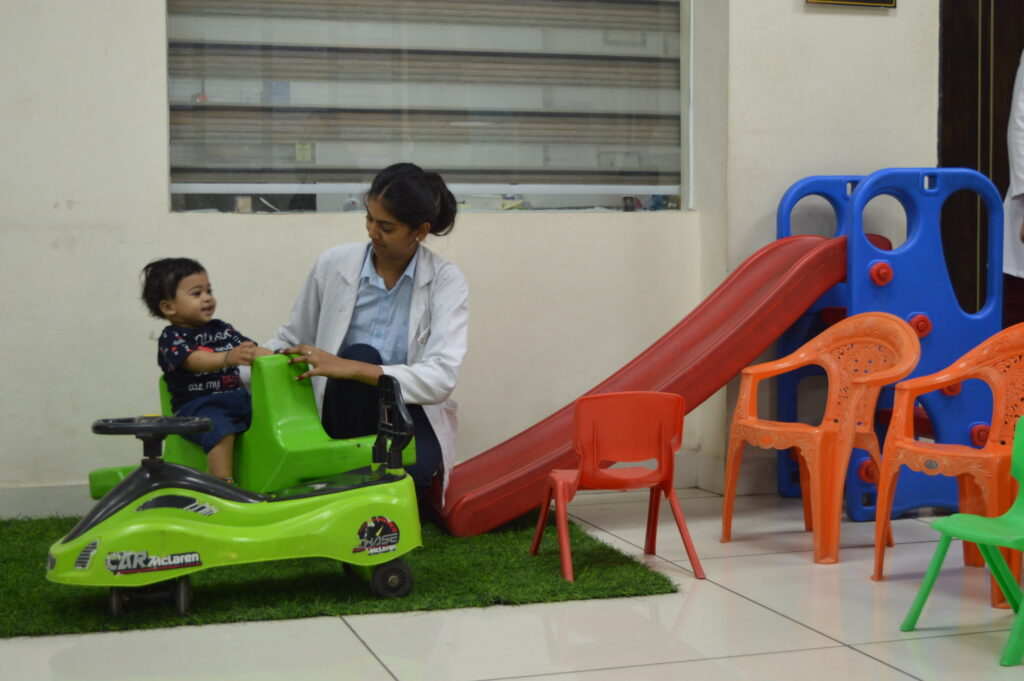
(177, 343)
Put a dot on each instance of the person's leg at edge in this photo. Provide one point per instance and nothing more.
(1013, 300)
(350, 407)
(350, 410)
(428, 452)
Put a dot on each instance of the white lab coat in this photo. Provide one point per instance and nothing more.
(1013, 204)
(438, 326)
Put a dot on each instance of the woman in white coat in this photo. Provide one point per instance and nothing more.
(390, 306)
(1013, 209)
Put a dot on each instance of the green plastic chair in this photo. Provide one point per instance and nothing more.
(1006, 530)
(176, 448)
(285, 446)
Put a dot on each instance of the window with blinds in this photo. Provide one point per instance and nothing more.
(295, 104)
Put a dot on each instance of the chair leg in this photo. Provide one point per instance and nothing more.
(1004, 585)
(562, 522)
(910, 621)
(870, 444)
(887, 478)
(999, 500)
(653, 506)
(734, 458)
(805, 491)
(1013, 559)
(684, 532)
(827, 504)
(542, 521)
(971, 500)
(1014, 649)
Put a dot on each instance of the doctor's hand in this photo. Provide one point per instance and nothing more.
(322, 363)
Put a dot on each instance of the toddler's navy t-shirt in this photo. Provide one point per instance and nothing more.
(177, 343)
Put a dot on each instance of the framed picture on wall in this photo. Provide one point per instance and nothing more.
(864, 3)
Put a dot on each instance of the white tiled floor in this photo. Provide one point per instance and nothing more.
(766, 611)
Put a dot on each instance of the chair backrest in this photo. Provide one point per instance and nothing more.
(876, 345)
(176, 448)
(999, 362)
(626, 427)
(1017, 471)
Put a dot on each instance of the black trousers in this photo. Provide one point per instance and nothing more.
(350, 410)
(1013, 300)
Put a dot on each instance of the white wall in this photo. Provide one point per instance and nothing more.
(818, 90)
(823, 90)
(709, 147)
(559, 301)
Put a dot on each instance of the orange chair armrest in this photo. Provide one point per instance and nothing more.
(926, 384)
(906, 394)
(752, 376)
(777, 367)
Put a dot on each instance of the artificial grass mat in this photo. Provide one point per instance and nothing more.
(448, 572)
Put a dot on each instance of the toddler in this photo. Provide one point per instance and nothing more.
(199, 355)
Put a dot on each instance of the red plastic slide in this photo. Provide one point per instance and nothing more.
(700, 354)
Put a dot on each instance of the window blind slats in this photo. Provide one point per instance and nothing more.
(250, 127)
(281, 64)
(295, 92)
(618, 16)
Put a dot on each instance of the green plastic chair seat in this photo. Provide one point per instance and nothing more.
(991, 535)
(999, 531)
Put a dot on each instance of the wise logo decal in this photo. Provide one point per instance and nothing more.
(131, 562)
(377, 535)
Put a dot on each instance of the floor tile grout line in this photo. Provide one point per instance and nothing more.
(769, 609)
(732, 591)
(741, 555)
(369, 649)
(885, 663)
(695, 660)
(622, 539)
(651, 665)
(811, 550)
(851, 646)
(933, 636)
(684, 567)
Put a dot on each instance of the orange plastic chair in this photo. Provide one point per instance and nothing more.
(985, 485)
(860, 355)
(624, 427)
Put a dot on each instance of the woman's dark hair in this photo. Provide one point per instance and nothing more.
(160, 280)
(415, 196)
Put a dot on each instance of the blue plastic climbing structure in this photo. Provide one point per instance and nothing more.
(911, 281)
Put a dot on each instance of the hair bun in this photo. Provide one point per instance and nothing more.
(415, 196)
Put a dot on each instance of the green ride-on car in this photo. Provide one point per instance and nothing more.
(163, 521)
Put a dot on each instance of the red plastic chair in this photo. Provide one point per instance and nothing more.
(625, 427)
(860, 355)
(985, 485)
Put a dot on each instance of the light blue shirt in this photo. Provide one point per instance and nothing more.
(381, 317)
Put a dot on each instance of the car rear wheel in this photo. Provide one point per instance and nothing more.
(182, 595)
(391, 580)
(117, 601)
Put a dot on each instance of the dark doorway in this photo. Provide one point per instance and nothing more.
(980, 47)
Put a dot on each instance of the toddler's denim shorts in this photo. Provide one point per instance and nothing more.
(230, 411)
